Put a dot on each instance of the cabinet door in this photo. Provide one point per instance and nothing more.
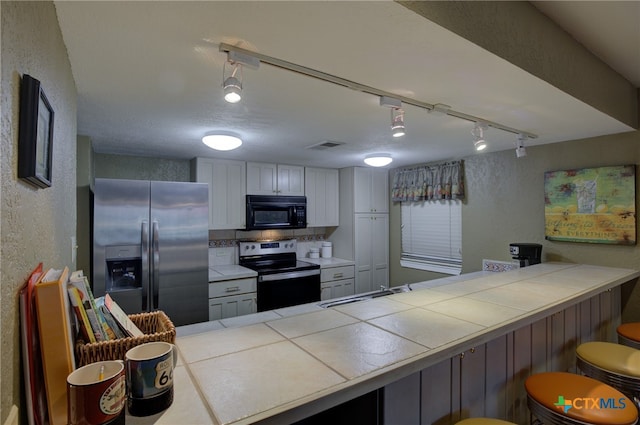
(371, 190)
(290, 180)
(380, 250)
(345, 288)
(336, 289)
(363, 258)
(262, 178)
(232, 306)
(371, 252)
(227, 189)
(321, 189)
(362, 190)
(380, 191)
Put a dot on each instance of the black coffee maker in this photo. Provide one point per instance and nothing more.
(527, 254)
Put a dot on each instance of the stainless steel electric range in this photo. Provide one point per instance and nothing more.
(283, 280)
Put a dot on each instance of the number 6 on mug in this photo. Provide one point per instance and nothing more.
(150, 377)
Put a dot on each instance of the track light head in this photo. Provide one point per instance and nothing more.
(478, 133)
(397, 122)
(480, 145)
(232, 85)
(232, 90)
(521, 151)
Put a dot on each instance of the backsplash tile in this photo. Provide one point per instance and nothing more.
(223, 244)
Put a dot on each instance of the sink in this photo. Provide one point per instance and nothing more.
(365, 296)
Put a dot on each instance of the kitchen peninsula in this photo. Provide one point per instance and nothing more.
(423, 347)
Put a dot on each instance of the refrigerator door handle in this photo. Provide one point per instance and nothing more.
(155, 261)
(144, 256)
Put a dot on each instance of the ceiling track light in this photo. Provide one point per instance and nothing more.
(232, 86)
(244, 55)
(378, 159)
(397, 115)
(478, 135)
(397, 122)
(521, 151)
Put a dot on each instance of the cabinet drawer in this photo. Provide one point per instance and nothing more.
(335, 273)
(232, 287)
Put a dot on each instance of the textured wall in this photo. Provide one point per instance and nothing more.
(505, 203)
(35, 224)
(141, 168)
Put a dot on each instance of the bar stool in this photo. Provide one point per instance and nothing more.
(629, 334)
(484, 421)
(562, 398)
(614, 364)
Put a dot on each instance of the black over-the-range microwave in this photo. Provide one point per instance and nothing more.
(276, 212)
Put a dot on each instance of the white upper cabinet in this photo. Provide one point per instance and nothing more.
(321, 189)
(275, 179)
(371, 190)
(227, 190)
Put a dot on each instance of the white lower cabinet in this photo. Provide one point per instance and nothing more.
(336, 282)
(230, 298)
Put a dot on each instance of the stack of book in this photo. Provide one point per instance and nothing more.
(58, 309)
(98, 319)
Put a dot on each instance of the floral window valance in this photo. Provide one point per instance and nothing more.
(429, 182)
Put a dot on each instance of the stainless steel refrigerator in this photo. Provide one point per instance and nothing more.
(150, 247)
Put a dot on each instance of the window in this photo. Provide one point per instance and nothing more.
(432, 236)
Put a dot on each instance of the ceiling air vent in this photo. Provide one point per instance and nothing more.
(327, 144)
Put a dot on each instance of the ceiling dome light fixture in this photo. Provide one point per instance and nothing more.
(378, 159)
(478, 134)
(222, 142)
(397, 122)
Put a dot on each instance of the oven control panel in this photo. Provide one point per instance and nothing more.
(267, 247)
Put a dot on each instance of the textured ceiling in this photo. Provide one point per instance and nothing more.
(149, 79)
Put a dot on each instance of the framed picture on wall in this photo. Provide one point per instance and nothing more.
(593, 205)
(35, 140)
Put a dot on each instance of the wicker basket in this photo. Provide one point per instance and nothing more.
(156, 326)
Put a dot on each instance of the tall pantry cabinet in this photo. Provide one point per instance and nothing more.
(363, 234)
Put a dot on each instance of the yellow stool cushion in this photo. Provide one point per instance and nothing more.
(578, 397)
(484, 421)
(611, 357)
(630, 330)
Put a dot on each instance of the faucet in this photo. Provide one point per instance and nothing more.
(383, 288)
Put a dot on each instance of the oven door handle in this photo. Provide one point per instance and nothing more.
(288, 275)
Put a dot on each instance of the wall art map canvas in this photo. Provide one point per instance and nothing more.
(594, 205)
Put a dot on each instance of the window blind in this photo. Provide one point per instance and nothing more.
(432, 236)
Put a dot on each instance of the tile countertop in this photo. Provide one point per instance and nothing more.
(287, 364)
(326, 263)
(227, 272)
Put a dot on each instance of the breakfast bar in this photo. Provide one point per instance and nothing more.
(463, 345)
